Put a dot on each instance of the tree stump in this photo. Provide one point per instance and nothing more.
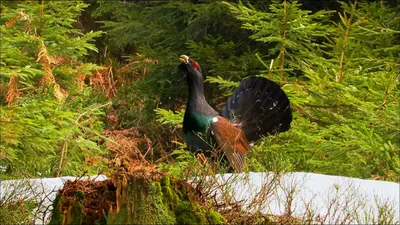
(141, 196)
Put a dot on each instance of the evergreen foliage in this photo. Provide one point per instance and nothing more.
(49, 123)
(181, 28)
(289, 31)
(345, 96)
(339, 68)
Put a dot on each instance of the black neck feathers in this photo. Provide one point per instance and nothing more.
(195, 89)
(196, 100)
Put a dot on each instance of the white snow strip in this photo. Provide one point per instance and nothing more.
(348, 197)
(332, 199)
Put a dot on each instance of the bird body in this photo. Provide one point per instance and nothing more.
(257, 108)
(195, 131)
(198, 115)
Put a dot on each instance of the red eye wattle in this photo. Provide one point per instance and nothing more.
(195, 65)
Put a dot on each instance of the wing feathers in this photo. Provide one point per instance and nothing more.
(231, 140)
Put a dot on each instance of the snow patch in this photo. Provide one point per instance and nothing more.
(310, 191)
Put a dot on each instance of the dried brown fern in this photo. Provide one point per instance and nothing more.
(13, 91)
(48, 77)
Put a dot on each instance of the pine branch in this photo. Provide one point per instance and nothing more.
(347, 23)
(283, 41)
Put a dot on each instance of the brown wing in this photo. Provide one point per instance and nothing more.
(231, 140)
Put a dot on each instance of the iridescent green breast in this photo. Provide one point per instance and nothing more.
(196, 131)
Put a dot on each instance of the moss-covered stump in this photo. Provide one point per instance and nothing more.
(139, 197)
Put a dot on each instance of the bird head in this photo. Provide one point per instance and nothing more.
(189, 67)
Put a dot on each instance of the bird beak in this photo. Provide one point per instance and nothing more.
(184, 58)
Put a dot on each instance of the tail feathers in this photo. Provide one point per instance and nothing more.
(259, 107)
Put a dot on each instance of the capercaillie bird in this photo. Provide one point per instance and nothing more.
(258, 107)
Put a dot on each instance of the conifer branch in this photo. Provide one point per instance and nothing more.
(283, 42)
(347, 23)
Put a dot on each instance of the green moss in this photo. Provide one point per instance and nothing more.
(57, 216)
(182, 192)
(214, 217)
(187, 213)
(80, 195)
(142, 201)
(170, 197)
(75, 213)
(162, 212)
(124, 214)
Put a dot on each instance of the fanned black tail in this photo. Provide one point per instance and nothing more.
(259, 107)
